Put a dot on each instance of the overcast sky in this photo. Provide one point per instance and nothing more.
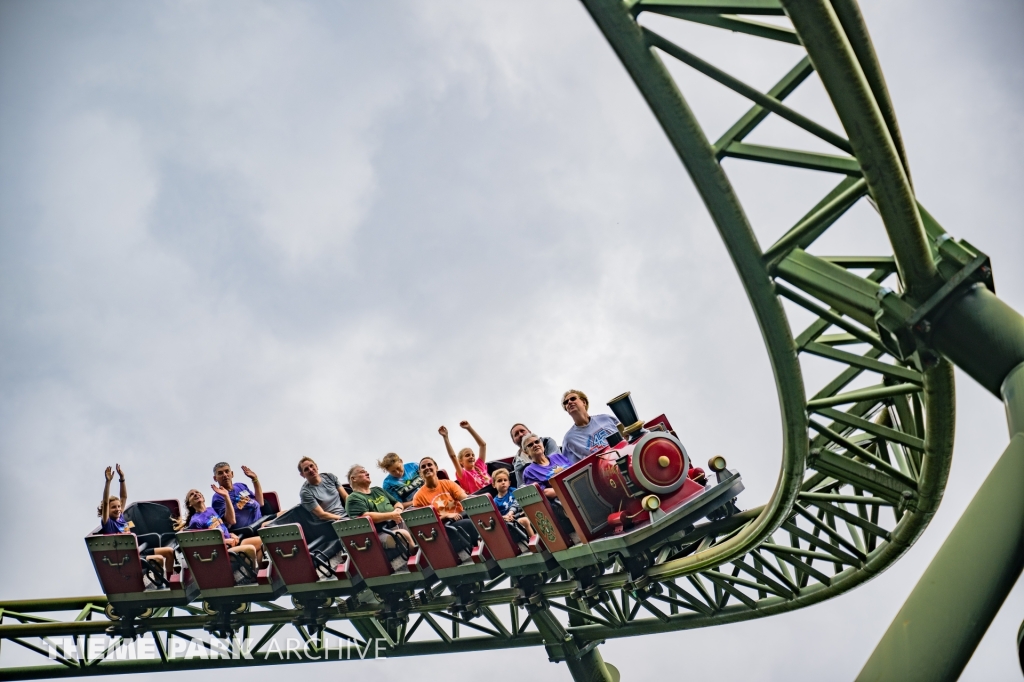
(261, 231)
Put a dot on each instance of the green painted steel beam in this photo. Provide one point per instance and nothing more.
(828, 163)
(841, 73)
(753, 94)
(856, 31)
(940, 625)
(714, 6)
(756, 114)
(688, 139)
(46, 605)
(731, 22)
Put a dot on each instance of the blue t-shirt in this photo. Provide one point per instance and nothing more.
(247, 509)
(405, 487)
(581, 441)
(208, 520)
(116, 526)
(535, 473)
(507, 503)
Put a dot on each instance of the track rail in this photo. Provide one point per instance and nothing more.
(865, 456)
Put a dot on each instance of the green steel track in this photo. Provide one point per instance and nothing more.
(864, 458)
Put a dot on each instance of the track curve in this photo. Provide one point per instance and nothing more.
(899, 432)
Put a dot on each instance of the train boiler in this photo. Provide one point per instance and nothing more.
(635, 493)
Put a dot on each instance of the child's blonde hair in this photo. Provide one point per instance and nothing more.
(500, 472)
(463, 452)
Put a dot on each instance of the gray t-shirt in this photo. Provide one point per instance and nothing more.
(581, 441)
(326, 495)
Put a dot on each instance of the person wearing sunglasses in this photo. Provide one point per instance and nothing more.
(543, 467)
(522, 460)
(589, 433)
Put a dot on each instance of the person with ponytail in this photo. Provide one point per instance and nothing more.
(201, 517)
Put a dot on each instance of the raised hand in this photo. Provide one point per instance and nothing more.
(249, 472)
(220, 491)
(443, 431)
(120, 474)
(109, 473)
(465, 424)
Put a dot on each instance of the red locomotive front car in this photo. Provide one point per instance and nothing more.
(642, 476)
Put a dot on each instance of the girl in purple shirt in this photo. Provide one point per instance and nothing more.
(201, 517)
(113, 522)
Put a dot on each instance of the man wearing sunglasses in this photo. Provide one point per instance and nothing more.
(589, 433)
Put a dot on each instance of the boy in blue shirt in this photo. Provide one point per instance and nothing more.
(506, 502)
(403, 480)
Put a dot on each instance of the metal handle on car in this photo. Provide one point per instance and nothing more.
(278, 552)
(489, 526)
(213, 555)
(124, 560)
(366, 545)
(424, 538)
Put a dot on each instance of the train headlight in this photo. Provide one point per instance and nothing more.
(651, 502)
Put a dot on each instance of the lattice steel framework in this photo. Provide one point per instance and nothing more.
(865, 457)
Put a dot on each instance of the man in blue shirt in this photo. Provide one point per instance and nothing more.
(588, 434)
(246, 502)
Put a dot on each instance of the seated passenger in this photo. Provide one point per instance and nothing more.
(543, 467)
(112, 522)
(522, 460)
(506, 502)
(470, 472)
(201, 517)
(321, 494)
(588, 433)
(403, 480)
(246, 502)
(376, 504)
(446, 499)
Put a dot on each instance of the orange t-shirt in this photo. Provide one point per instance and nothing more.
(444, 498)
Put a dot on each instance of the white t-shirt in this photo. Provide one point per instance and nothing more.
(581, 441)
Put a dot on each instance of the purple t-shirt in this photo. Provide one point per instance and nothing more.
(247, 509)
(208, 520)
(535, 473)
(116, 526)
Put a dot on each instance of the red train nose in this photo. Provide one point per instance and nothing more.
(659, 463)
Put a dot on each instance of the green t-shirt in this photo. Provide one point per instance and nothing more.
(377, 500)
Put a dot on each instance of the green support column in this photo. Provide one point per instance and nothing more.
(940, 625)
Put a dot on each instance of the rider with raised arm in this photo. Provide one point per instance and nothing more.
(446, 499)
(113, 522)
(201, 517)
(470, 471)
(246, 502)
